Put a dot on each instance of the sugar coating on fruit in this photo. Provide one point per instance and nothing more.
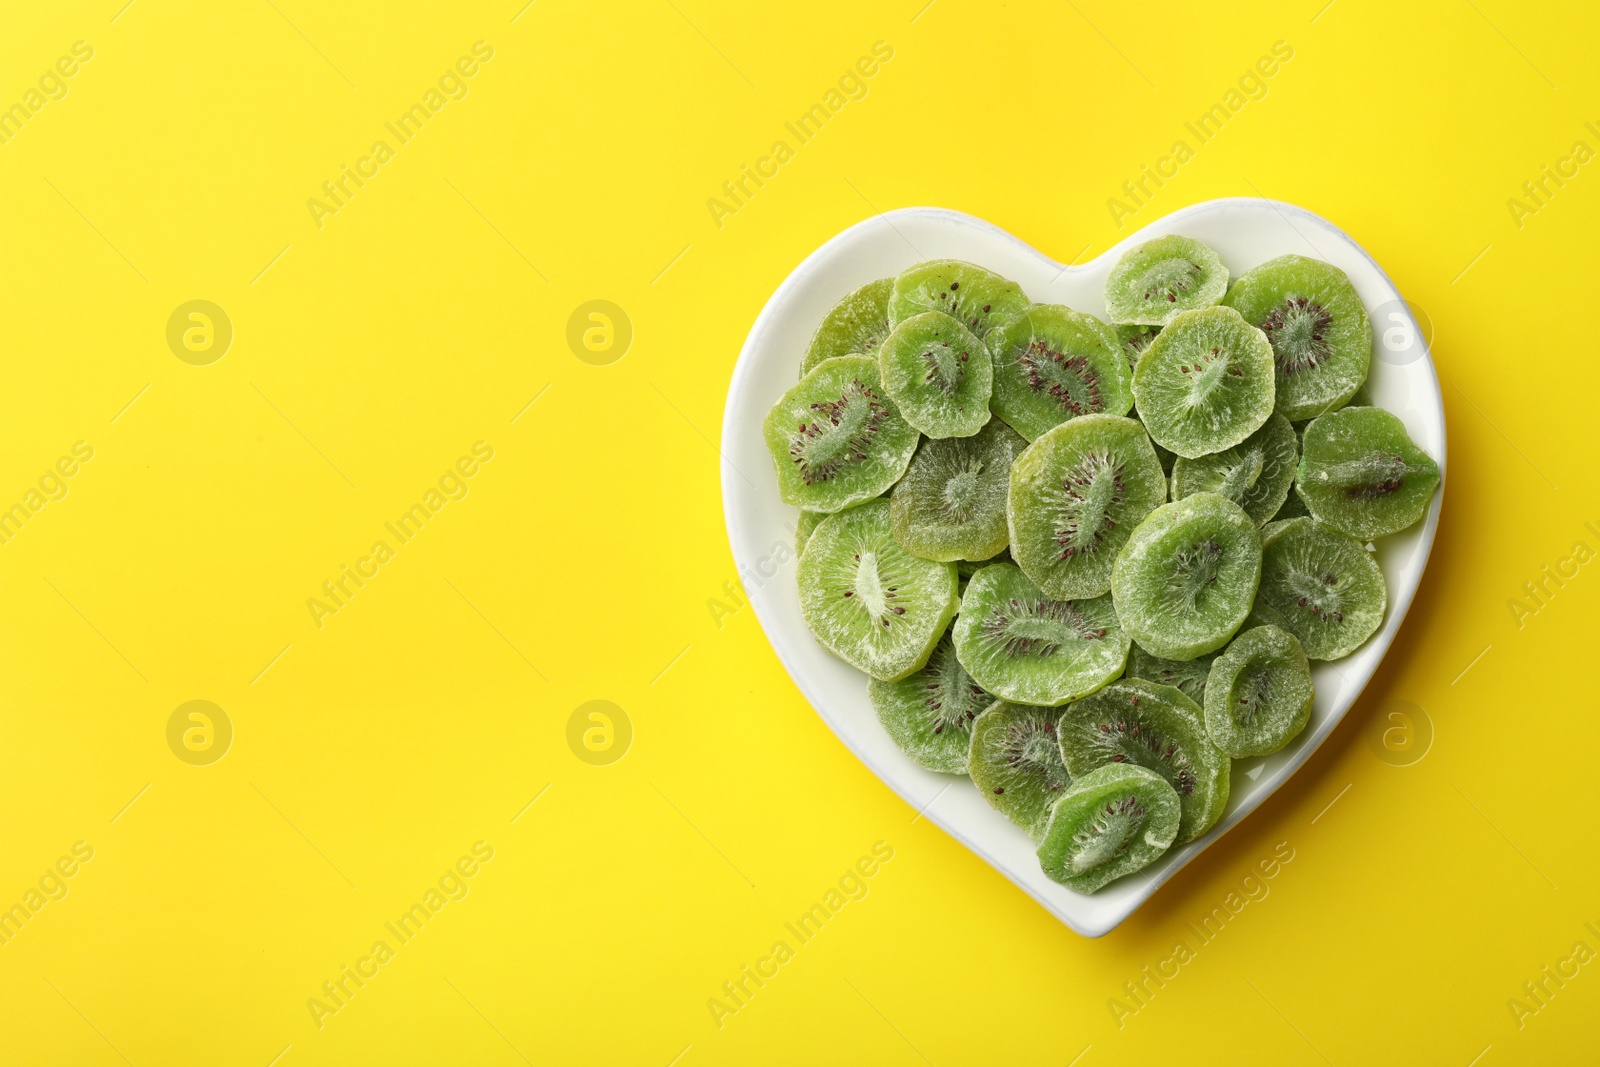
(951, 504)
(1156, 727)
(1052, 364)
(929, 714)
(836, 439)
(1205, 383)
(1361, 474)
(1319, 585)
(869, 601)
(856, 325)
(1076, 495)
(938, 374)
(1031, 648)
(1260, 693)
(1108, 824)
(1256, 473)
(1015, 761)
(1319, 332)
(1187, 577)
(1155, 281)
(972, 295)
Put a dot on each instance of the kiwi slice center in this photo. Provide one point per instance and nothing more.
(839, 434)
(1167, 279)
(962, 491)
(946, 367)
(1131, 741)
(1240, 478)
(1297, 328)
(1368, 477)
(953, 696)
(1255, 692)
(868, 589)
(1207, 374)
(1108, 835)
(1092, 489)
(1318, 593)
(1037, 627)
(1195, 570)
(1071, 380)
(1032, 747)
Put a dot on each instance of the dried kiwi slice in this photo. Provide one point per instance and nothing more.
(1256, 473)
(1024, 646)
(856, 325)
(1187, 577)
(1320, 586)
(1321, 339)
(1361, 474)
(1076, 495)
(1188, 676)
(1052, 364)
(869, 601)
(1159, 279)
(1205, 382)
(1015, 761)
(836, 439)
(1111, 822)
(1258, 698)
(929, 714)
(951, 504)
(938, 374)
(805, 526)
(970, 294)
(1158, 728)
(1135, 339)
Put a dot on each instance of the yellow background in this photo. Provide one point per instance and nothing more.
(372, 352)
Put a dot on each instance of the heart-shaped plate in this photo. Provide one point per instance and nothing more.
(1244, 232)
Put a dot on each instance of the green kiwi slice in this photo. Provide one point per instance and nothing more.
(1186, 579)
(805, 526)
(869, 601)
(1188, 676)
(1111, 822)
(1321, 339)
(1024, 646)
(1256, 473)
(1361, 474)
(1015, 761)
(1259, 695)
(929, 714)
(836, 439)
(1205, 382)
(1135, 339)
(856, 325)
(1158, 280)
(1052, 364)
(970, 294)
(1320, 586)
(1076, 494)
(951, 504)
(1158, 728)
(938, 374)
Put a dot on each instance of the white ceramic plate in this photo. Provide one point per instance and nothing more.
(1245, 232)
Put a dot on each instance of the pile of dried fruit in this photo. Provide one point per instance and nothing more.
(1088, 564)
